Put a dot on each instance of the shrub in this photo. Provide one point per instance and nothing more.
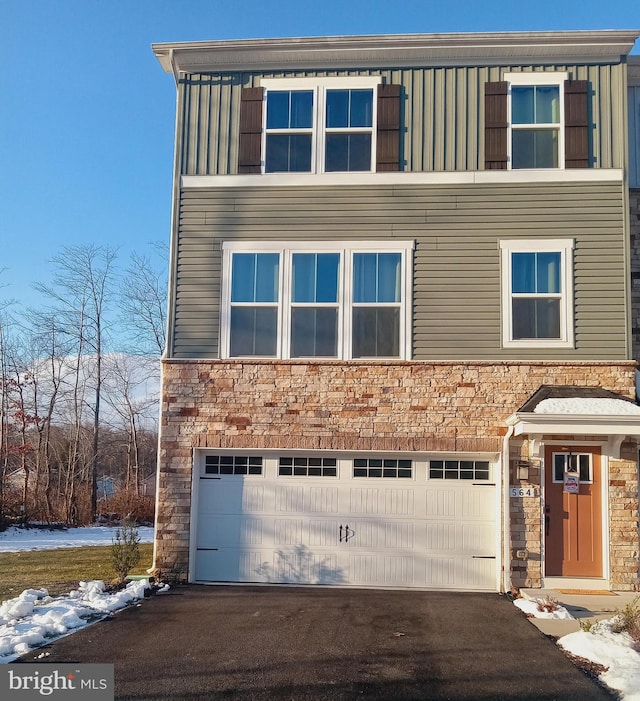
(627, 620)
(548, 604)
(125, 552)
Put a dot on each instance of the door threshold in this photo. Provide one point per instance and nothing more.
(581, 583)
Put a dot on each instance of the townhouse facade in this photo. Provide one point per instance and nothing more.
(401, 313)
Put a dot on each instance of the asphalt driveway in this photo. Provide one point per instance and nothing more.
(199, 642)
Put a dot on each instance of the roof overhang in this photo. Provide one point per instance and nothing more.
(578, 424)
(395, 50)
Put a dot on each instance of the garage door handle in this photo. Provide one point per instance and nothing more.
(345, 533)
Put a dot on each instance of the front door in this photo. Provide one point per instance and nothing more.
(573, 512)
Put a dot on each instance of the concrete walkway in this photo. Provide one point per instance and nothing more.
(580, 606)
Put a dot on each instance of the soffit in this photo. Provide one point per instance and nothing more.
(395, 50)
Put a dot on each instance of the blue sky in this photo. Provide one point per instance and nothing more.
(86, 124)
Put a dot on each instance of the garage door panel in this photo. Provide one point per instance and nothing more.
(475, 538)
(381, 534)
(458, 573)
(462, 502)
(364, 500)
(300, 565)
(306, 499)
(399, 502)
(218, 531)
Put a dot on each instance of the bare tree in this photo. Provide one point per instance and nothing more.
(143, 301)
(81, 294)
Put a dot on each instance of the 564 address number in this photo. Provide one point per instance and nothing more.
(523, 491)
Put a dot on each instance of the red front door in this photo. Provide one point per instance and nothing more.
(573, 512)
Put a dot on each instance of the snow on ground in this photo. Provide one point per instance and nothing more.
(533, 608)
(34, 618)
(17, 539)
(614, 651)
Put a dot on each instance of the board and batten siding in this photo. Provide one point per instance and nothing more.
(442, 115)
(457, 230)
(634, 136)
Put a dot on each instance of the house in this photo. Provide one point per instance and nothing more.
(400, 335)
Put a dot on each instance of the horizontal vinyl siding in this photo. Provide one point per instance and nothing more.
(457, 230)
(442, 115)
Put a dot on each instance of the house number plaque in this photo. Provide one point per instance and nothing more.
(523, 492)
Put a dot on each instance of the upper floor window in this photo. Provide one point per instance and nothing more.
(536, 119)
(537, 300)
(315, 125)
(324, 299)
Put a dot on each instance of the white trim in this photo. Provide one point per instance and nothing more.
(344, 305)
(317, 246)
(365, 81)
(565, 248)
(396, 50)
(536, 78)
(360, 178)
(319, 86)
(579, 424)
(533, 79)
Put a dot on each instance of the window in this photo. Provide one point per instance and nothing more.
(377, 467)
(317, 125)
(579, 464)
(537, 302)
(232, 465)
(304, 300)
(308, 467)
(536, 116)
(459, 469)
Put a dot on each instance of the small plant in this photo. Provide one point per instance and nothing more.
(627, 620)
(587, 625)
(125, 552)
(548, 604)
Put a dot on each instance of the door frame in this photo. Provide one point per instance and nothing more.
(604, 473)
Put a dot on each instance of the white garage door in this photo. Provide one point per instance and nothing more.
(361, 521)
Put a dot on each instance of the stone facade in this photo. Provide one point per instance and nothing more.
(634, 202)
(373, 406)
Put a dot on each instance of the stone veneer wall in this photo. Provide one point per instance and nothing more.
(634, 201)
(375, 406)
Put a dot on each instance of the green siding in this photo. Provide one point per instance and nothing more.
(442, 115)
(457, 230)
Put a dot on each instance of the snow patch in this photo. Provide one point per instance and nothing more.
(598, 406)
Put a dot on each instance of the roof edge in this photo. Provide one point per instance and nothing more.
(393, 50)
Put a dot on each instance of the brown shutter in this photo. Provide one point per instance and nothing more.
(576, 124)
(249, 147)
(388, 137)
(495, 126)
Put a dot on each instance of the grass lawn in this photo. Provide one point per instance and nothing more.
(59, 571)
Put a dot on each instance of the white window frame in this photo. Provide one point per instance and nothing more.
(531, 79)
(346, 249)
(565, 248)
(320, 86)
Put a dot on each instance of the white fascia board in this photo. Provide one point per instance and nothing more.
(580, 424)
(479, 177)
(393, 50)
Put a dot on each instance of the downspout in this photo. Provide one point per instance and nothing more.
(506, 525)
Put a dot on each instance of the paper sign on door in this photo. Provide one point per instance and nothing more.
(571, 483)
